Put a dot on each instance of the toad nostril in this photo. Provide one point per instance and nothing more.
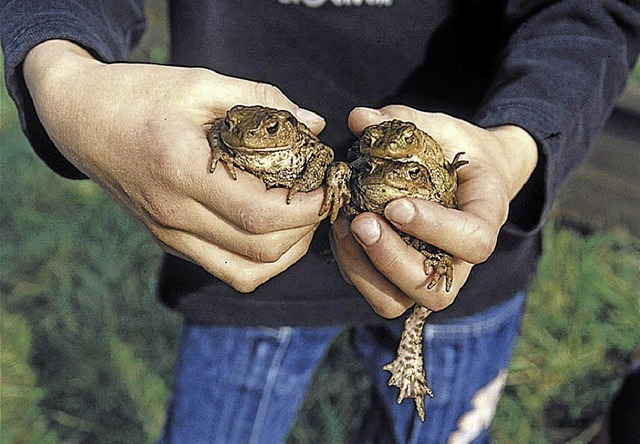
(252, 133)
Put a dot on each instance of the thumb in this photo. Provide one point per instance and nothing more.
(225, 92)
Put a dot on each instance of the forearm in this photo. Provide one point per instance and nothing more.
(106, 31)
(563, 65)
(49, 70)
(50, 60)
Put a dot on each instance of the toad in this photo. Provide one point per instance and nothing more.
(396, 139)
(274, 146)
(392, 160)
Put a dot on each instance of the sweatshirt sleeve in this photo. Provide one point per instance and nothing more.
(106, 29)
(562, 67)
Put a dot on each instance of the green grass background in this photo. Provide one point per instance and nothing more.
(87, 352)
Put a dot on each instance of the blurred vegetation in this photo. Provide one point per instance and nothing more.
(635, 75)
(579, 331)
(87, 351)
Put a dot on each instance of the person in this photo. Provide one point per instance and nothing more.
(521, 87)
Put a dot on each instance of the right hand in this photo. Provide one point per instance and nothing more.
(139, 131)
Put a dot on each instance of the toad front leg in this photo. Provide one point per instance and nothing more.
(407, 370)
(338, 193)
(218, 153)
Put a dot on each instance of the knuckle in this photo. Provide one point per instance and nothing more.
(160, 214)
(266, 251)
(485, 245)
(391, 263)
(253, 220)
(484, 241)
(247, 281)
(438, 301)
(200, 79)
(389, 311)
(260, 218)
(267, 94)
(401, 112)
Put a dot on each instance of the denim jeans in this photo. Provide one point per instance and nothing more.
(245, 385)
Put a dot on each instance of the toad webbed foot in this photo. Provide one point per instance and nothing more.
(439, 265)
(407, 370)
(220, 155)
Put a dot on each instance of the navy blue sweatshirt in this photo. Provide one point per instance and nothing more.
(553, 68)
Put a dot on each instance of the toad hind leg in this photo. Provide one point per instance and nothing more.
(441, 264)
(313, 174)
(407, 370)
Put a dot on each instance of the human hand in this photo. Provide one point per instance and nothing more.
(139, 131)
(389, 273)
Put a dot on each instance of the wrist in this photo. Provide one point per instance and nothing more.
(49, 62)
(519, 154)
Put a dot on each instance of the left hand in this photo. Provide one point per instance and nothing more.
(389, 273)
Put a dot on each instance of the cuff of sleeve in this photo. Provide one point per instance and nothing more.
(18, 41)
(531, 207)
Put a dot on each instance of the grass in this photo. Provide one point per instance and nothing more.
(578, 333)
(634, 78)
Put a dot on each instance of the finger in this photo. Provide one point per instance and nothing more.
(241, 273)
(195, 219)
(384, 297)
(245, 202)
(360, 118)
(469, 234)
(403, 265)
(483, 194)
(223, 92)
(442, 127)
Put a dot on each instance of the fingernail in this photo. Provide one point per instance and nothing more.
(308, 116)
(400, 211)
(367, 230)
(371, 111)
(340, 228)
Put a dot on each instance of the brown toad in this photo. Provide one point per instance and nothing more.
(413, 166)
(396, 139)
(393, 160)
(274, 146)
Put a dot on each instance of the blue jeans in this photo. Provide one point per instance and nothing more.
(245, 385)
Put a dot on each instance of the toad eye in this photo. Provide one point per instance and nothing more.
(272, 127)
(366, 165)
(414, 173)
(227, 123)
(292, 120)
(409, 138)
